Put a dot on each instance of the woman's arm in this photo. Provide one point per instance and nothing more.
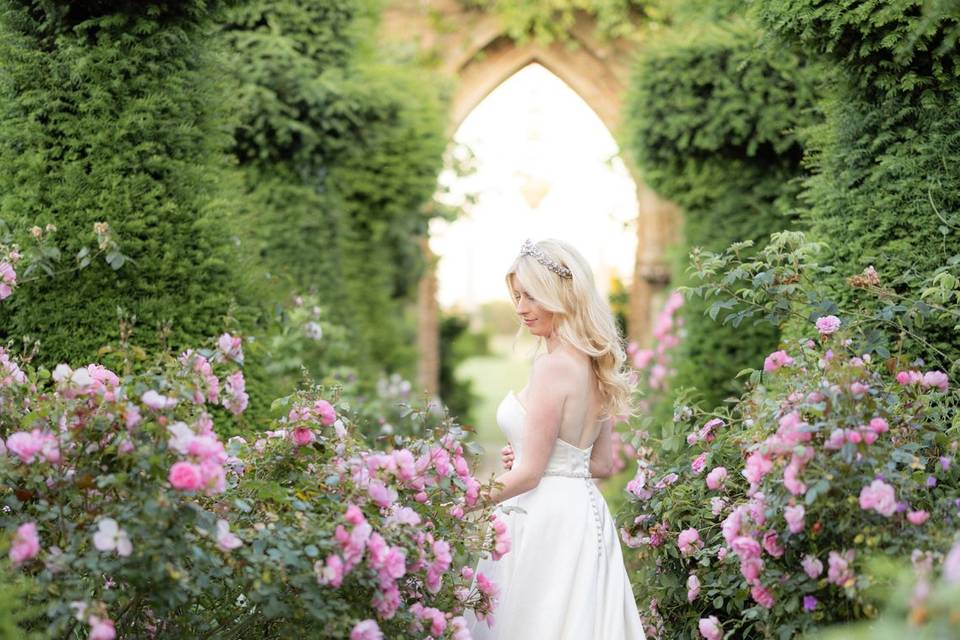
(601, 459)
(550, 383)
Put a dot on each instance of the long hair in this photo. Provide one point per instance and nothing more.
(582, 318)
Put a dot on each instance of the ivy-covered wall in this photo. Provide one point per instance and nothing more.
(114, 112)
(713, 118)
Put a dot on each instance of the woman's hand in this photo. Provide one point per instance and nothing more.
(506, 454)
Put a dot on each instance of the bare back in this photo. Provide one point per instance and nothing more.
(580, 423)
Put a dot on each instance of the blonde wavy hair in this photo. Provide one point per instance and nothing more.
(582, 318)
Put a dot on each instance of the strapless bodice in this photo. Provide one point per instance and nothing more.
(565, 460)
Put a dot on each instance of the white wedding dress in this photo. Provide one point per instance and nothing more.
(563, 578)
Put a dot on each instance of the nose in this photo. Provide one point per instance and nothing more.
(522, 306)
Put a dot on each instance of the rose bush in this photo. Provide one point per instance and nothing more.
(839, 451)
(135, 519)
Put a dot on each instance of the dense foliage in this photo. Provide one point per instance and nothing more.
(842, 449)
(712, 120)
(111, 112)
(134, 518)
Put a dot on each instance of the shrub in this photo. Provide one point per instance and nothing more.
(135, 519)
(764, 525)
(100, 125)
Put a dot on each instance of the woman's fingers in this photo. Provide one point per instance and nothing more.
(506, 455)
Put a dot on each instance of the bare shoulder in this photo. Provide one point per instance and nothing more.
(562, 366)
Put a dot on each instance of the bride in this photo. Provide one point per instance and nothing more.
(564, 577)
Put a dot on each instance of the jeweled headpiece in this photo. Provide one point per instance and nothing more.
(529, 249)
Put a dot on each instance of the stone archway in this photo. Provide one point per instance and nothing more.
(472, 50)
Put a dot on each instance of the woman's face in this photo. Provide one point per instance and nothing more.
(538, 320)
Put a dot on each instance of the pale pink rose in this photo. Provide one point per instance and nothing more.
(710, 628)
(366, 630)
(794, 517)
(716, 478)
(354, 515)
(231, 347)
(880, 497)
(693, 587)
(879, 425)
(751, 568)
(836, 440)
(745, 547)
(25, 445)
(689, 541)
(699, 463)
(101, 629)
(156, 401)
(331, 572)
(918, 517)
(185, 476)
(811, 566)
(757, 466)
(827, 325)
(776, 360)
(791, 478)
(762, 596)
(840, 572)
(731, 525)
(325, 411)
(772, 544)
(381, 495)
(213, 477)
(110, 537)
(226, 540)
(858, 389)
(25, 545)
(717, 505)
(936, 379)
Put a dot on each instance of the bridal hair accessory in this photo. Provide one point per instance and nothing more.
(528, 249)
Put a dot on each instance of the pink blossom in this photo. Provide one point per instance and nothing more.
(185, 476)
(716, 478)
(906, 378)
(110, 537)
(693, 587)
(330, 572)
(776, 360)
(840, 572)
(25, 545)
(699, 463)
(710, 628)
(381, 495)
(366, 630)
(836, 440)
(731, 525)
(762, 596)
(745, 547)
(156, 401)
(213, 477)
(231, 347)
(936, 379)
(325, 412)
(771, 544)
(689, 541)
(8, 279)
(101, 629)
(751, 568)
(236, 398)
(794, 517)
(790, 477)
(879, 425)
(757, 466)
(880, 497)
(811, 566)
(858, 389)
(918, 517)
(302, 436)
(827, 325)
(717, 505)
(226, 540)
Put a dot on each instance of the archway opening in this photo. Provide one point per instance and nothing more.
(544, 165)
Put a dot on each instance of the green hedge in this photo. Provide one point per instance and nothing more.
(885, 182)
(712, 117)
(338, 154)
(113, 111)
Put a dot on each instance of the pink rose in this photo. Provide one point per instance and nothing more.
(366, 630)
(325, 411)
(762, 596)
(840, 571)
(811, 566)
(716, 478)
(751, 568)
(936, 379)
(231, 347)
(693, 587)
(185, 476)
(776, 360)
(25, 545)
(699, 463)
(710, 628)
(757, 466)
(880, 497)
(689, 541)
(745, 547)
(101, 629)
(918, 517)
(302, 436)
(772, 544)
(794, 517)
(331, 572)
(828, 324)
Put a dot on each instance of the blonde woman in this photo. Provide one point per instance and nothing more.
(563, 578)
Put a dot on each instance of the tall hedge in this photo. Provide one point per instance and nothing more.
(338, 152)
(713, 121)
(884, 187)
(111, 111)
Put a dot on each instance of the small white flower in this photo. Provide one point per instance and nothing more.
(62, 372)
(111, 537)
(81, 377)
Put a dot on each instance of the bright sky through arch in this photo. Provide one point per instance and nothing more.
(534, 139)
